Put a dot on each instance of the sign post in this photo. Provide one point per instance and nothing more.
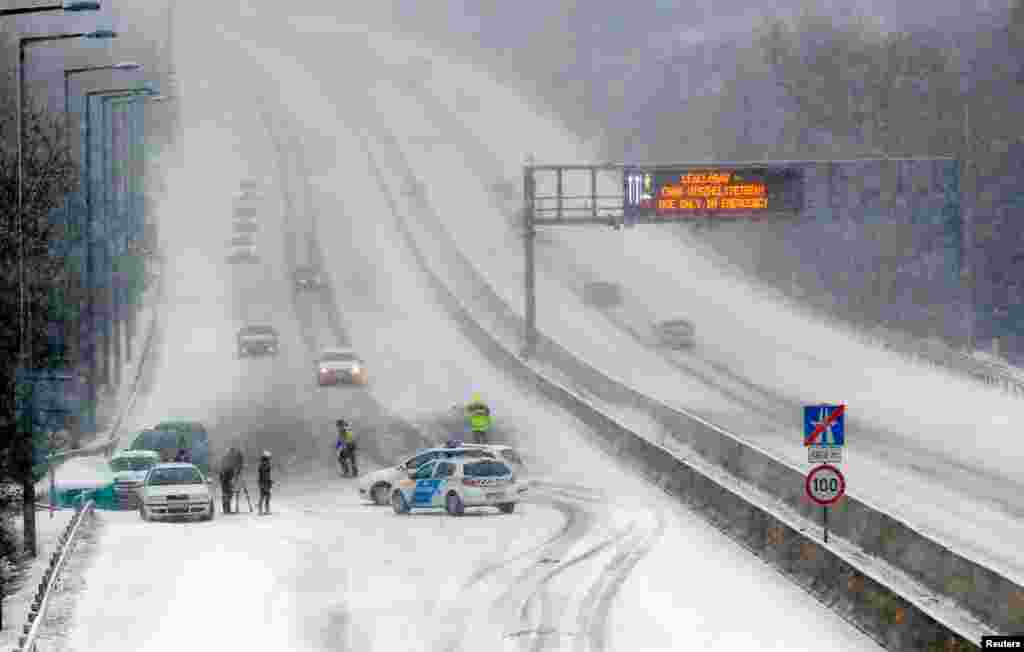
(825, 485)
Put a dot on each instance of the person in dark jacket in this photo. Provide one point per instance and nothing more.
(230, 469)
(183, 456)
(265, 483)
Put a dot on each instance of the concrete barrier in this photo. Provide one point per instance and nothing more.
(957, 597)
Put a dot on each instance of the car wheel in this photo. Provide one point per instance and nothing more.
(379, 493)
(453, 504)
(209, 517)
(507, 508)
(398, 503)
(142, 513)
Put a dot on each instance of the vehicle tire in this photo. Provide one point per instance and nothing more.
(398, 503)
(453, 504)
(142, 513)
(379, 494)
(507, 508)
(209, 517)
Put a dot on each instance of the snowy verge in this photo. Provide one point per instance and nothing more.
(941, 610)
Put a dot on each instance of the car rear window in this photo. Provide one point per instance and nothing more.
(486, 469)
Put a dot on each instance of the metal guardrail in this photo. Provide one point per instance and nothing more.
(37, 612)
(932, 620)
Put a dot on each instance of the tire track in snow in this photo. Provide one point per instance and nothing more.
(580, 519)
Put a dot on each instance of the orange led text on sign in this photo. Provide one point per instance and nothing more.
(712, 191)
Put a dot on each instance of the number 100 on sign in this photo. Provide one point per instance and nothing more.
(825, 484)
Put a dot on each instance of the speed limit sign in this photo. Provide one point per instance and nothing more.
(825, 484)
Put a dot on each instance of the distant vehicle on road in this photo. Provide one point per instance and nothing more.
(676, 333)
(602, 294)
(245, 254)
(246, 225)
(340, 365)
(175, 490)
(457, 483)
(308, 277)
(242, 240)
(246, 213)
(377, 486)
(130, 468)
(251, 194)
(168, 437)
(258, 340)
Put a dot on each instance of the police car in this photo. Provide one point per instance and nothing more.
(376, 486)
(457, 483)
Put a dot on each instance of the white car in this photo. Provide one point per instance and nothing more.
(175, 490)
(130, 468)
(377, 486)
(338, 365)
(457, 483)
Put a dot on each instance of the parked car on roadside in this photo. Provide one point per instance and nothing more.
(376, 486)
(130, 468)
(456, 484)
(176, 490)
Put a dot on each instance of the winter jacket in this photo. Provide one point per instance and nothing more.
(264, 474)
(479, 416)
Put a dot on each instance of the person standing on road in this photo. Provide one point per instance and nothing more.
(341, 446)
(265, 483)
(346, 447)
(231, 468)
(478, 414)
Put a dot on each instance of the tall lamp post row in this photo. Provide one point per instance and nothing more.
(25, 357)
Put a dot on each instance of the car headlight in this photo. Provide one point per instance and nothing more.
(324, 370)
(355, 369)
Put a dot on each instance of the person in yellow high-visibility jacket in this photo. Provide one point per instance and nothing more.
(478, 415)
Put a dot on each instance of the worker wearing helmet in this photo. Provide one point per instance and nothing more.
(478, 415)
(265, 483)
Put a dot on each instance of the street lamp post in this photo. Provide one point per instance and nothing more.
(24, 348)
(90, 259)
(69, 216)
(64, 6)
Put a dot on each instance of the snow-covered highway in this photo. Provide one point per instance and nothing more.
(596, 559)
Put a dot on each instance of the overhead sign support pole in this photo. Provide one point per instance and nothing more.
(529, 241)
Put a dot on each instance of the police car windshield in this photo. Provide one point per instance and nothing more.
(486, 469)
(181, 475)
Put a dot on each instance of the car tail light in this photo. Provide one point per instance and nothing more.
(472, 482)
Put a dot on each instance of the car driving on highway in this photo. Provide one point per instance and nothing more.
(676, 333)
(377, 486)
(340, 365)
(243, 254)
(245, 225)
(308, 277)
(242, 240)
(130, 468)
(258, 340)
(457, 483)
(175, 490)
